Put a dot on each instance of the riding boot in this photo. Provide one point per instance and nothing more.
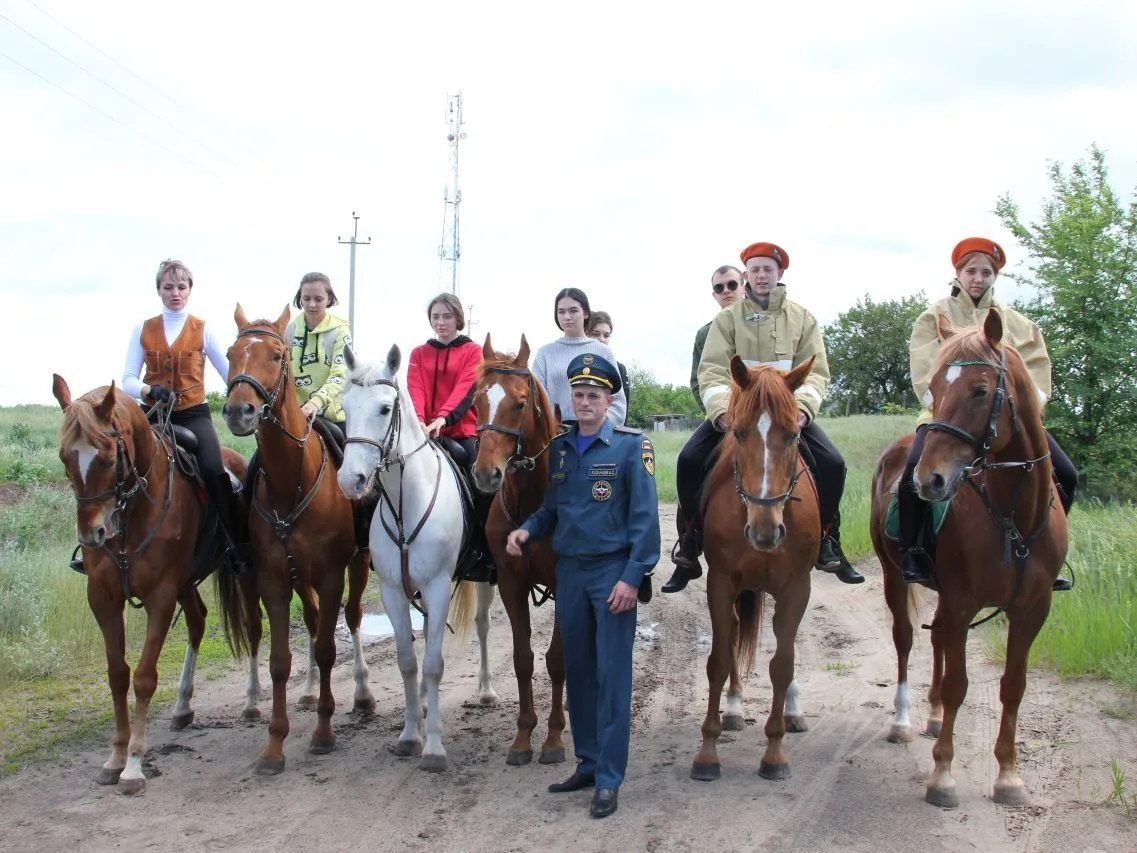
(831, 559)
(233, 519)
(685, 556)
(364, 512)
(915, 562)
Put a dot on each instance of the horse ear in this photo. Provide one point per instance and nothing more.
(557, 412)
(285, 315)
(993, 328)
(487, 348)
(740, 372)
(61, 391)
(797, 376)
(394, 359)
(239, 317)
(523, 352)
(348, 357)
(945, 328)
(106, 408)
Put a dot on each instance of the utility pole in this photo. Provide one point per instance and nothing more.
(353, 242)
(450, 249)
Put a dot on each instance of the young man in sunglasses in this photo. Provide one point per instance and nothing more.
(763, 328)
(726, 288)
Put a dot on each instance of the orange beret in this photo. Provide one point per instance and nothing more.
(979, 244)
(767, 250)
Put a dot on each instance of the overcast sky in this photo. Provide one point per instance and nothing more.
(610, 148)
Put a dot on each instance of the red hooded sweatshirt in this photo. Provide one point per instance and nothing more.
(440, 378)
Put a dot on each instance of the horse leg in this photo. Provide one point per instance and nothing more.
(936, 688)
(307, 700)
(398, 611)
(487, 696)
(795, 717)
(323, 738)
(1024, 627)
(514, 597)
(108, 613)
(788, 612)
(271, 759)
(436, 597)
(159, 613)
(732, 720)
(553, 749)
(941, 787)
(357, 571)
(195, 610)
(724, 628)
(254, 629)
(896, 596)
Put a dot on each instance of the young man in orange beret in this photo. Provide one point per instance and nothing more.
(763, 328)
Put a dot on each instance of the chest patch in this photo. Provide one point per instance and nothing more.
(601, 490)
(604, 470)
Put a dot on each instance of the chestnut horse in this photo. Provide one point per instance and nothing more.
(1002, 543)
(136, 515)
(302, 530)
(516, 424)
(761, 534)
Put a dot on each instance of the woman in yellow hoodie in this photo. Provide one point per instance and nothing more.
(318, 339)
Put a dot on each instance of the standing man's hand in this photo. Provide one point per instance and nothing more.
(514, 542)
(623, 597)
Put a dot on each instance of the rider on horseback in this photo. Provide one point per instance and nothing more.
(977, 262)
(763, 328)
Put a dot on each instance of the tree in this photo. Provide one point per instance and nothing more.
(1083, 269)
(650, 398)
(867, 348)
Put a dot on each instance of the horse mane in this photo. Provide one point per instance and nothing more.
(768, 392)
(500, 360)
(80, 423)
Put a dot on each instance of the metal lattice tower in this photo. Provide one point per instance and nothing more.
(450, 250)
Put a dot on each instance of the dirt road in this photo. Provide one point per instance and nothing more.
(850, 791)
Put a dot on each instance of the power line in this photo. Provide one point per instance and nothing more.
(111, 117)
(118, 92)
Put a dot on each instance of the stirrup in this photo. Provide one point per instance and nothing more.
(76, 563)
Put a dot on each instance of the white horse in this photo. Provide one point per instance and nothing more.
(416, 536)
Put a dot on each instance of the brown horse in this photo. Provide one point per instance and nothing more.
(515, 427)
(302, 530)
(136, 514)
(761, 534)
(1001, 545)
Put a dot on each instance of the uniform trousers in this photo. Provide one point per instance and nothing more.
(598, 665)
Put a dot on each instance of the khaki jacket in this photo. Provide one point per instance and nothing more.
(1018, 331)
(783, 335)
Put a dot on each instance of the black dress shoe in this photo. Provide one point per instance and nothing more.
(644, 594)
(604, 802)
(1062, 585)
(576, 782)
(916, 566)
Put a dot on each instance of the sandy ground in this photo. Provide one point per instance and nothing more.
(850, 791)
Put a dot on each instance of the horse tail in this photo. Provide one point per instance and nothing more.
(749, 608)
(234, 617)
(462, 610)
(916, 602)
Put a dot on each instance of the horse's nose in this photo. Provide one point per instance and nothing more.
(938, 482)
(99, 534)
(242, 409)
(360, 482)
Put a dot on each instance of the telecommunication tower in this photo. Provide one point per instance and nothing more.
(450, 251)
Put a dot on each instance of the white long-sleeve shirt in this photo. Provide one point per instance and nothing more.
(174, 322)
(551, 367)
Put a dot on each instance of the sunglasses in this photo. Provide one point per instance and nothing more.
(730, 285)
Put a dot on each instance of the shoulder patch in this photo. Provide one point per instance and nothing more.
(627, 429)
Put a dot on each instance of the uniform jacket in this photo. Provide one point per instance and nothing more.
(180, 366)
(318, 372)
(696, 357)
(1018, 331)
(602, 505)
(440, 379)
(783, 335)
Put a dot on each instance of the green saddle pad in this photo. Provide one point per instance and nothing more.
(892, 518)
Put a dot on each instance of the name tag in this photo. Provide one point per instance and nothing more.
(603, 470)
(559, 475)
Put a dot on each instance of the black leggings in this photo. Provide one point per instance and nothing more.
(198, 420)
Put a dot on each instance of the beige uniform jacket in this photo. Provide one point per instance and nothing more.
(1018, 331)
(783, 335)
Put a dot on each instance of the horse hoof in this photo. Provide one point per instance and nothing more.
(796, 725)
(433, 763)
(900, 734)
(250, 714)
(365, 706)
(517, 757)
(406, 748)
(945, 798)
(306, 703)
(1011, 795)
(181, 721)
(932, 729)
(322, 745)
(108, 775)
(269, 766)
(552, 755)
(131, 787)
(705, 772)
(489, 700)
(774, 772)
(732, 723)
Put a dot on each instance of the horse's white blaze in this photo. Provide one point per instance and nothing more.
(87, 455)
(494, 395)
(953, 373)
(902, 705)
(764, 423)
(185, 685)
(793, 708)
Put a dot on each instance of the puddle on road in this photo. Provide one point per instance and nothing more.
(377, 626)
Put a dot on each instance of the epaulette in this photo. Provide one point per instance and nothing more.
(627, 429)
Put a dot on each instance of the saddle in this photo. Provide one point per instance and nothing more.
(475, 563)
(933, 521)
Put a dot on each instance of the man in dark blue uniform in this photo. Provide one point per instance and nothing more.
(602, 511)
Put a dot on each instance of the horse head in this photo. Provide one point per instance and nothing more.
(512, 411)
(97, 446)
(259, 367)
(763, 446)
(374, 423)
(980, 390)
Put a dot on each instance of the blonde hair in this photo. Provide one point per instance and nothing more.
(180, 272)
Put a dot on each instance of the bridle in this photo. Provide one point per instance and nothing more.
(268, 408)
(518, 459)
(779, 500)
(391, 436)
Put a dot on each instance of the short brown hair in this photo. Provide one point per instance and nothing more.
(311, 278)
(598, 317)
(971, 256)
(181, 272)
(453, 303)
